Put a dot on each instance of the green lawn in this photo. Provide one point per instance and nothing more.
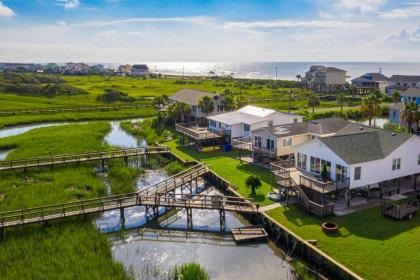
(373, 246)
(226, 165)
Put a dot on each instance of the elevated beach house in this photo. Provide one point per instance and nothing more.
(402, 83)
(240, 123)
(371, 81)
(273, 143)
(396, 111)
(192, 97)
(355, 165)
(320, 78)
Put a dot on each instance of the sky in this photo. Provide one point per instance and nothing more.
(117, 31)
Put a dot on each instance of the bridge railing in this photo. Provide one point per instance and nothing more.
(82, 156)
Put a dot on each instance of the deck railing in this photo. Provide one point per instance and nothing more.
(200, 133)
(322, 186)
(265, 151)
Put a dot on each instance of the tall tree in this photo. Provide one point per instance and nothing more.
(341, 99)
(371, 108)
(409, 115)
(396, 96)
(313, 101)
(179, 111)
(229, 102)
(206, 105)
(253, 182)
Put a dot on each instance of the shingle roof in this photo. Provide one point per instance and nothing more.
(320, 127)
(190, 96)
(335, 69)
(405, 78)
(411, 92)
(365, 145)
(372, 77)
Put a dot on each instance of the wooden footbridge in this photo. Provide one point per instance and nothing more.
(81, 157)
(162, 194)
(54, 110)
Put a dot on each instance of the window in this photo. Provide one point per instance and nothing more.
(327, 165)
(246, 127)
(301, 161)
(396, 164)
(340, 173)
(313, 137)
(257, 141)
(270, 144)
(194, 108)
(315, 165)
(357, 173)
(287, 142)
(212, 123)
(220, 125)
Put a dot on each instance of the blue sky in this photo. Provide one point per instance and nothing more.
(147, 30)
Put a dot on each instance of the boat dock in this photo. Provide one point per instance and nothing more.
(249, 233)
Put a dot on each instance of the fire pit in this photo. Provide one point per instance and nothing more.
(329, 227)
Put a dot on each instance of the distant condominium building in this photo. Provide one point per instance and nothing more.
(324, 79)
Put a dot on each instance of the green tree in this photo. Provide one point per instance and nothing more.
(229, 103)
(313, 101)
(253, 182)
(161, 100)
(179, 111)
(206, 105)
(371, 108)
(396, 96)
(341, 99)
(409, 115)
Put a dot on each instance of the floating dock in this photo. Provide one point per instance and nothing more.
(249, 233)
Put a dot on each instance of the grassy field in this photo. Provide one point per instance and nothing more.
(72, 249)
(229, 167)
(371, 245)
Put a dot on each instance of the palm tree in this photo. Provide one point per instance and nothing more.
(206, 105)
(229, 103)
(183, 110)
(253, 182)
(313, 100)
(240, 100)
(396, 96)
(371, 108)
(409, 114)
(341, 98)
(299, 78)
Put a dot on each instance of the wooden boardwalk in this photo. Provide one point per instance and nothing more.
(82, 157)
(78, 208)
(249, 233)
(54, 110)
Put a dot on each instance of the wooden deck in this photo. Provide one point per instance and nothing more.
(82, 157)
(197, 132)
(54, 110)
(250, 233)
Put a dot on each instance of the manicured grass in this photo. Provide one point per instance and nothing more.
(373, 246)
(63, 250)
(226, 165)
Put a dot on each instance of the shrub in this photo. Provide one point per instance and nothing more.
(189, 271)
(174, 167)
(112, 95)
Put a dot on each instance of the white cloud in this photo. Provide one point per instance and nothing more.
(62, 23)
(410, 11)
(6, 11)
(68, 4)
(293, 24)
(362, 5)
(404, 38)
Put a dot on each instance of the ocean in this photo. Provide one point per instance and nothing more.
(285, 70)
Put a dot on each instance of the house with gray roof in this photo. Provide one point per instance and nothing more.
(356, 158)
(371, 81)
(324, 79)
(272, 143)
(192, 97)
(403, 82)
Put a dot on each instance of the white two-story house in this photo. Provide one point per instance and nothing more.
(360, 157)
(240, 123)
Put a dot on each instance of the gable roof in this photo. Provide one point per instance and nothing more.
(320, 127)
(356, 144)
(411, 92)
(190, 96)
(405, 78)
(371, 77)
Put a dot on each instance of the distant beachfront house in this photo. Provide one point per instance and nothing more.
(124, 70)
(396, 111)
(357, 160)
(273, 143)
(402, 82)
(411, 95)
(240, 123)
(323, 79)
(192, 97)
(371, 81)
(139, 70)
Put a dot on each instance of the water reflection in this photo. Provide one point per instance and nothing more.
(120, 138)
(4, 153)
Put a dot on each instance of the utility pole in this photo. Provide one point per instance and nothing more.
(183, 72)
(276, 73)
(290, 100)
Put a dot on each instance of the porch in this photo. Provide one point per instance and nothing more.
(197, 137)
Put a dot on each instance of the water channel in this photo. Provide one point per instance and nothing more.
(150, 254)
